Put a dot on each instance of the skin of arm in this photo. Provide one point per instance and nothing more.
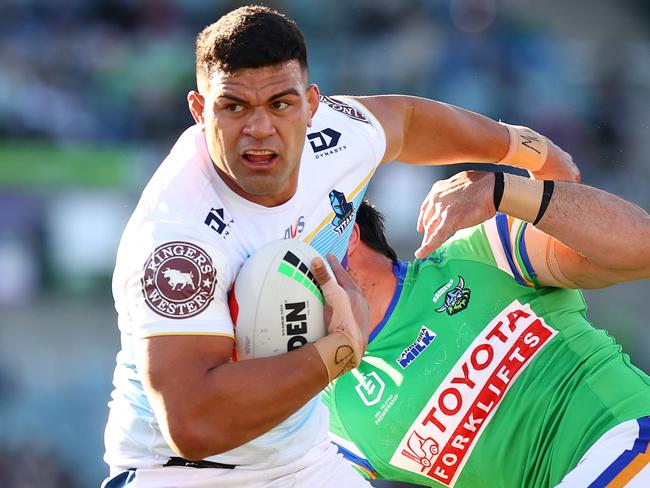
(207, 405)
(421, 131)
(587, 238)
(426, 132)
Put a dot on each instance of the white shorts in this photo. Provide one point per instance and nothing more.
(620, 458)
(319, 467)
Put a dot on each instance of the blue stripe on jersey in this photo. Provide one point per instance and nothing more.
(122, 480)
(364, 464)
(399, 270)
(524, 254)
(620, 463)
(504, 236)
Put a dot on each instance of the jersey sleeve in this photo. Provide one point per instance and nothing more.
(499, 241)
(170, 281)
(358, 112)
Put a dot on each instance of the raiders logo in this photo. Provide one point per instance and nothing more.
(178, 280)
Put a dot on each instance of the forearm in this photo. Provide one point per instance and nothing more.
(609, 232)
(206, 405)
(251, 397)
(605, 229)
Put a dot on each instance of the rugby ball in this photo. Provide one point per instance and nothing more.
(276, 304)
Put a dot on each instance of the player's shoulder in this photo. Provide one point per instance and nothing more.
(181, 190)
(185, 172)
(341, 122)
(467, 243)
(347, 106)
(180, 204)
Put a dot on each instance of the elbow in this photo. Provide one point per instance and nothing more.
(191, 441)
(185, 441)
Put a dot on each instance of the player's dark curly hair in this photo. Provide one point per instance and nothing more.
(371, 230)
(248, 37)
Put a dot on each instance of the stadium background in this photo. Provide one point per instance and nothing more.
(92, 95)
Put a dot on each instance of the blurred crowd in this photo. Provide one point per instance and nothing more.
(117, 70)
(79, 74)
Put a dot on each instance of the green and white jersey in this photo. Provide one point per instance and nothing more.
(479, 377)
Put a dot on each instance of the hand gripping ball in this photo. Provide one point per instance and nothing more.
(276, 303)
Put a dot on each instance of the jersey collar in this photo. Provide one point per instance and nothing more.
(399, 270)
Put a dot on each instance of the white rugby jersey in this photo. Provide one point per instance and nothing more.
(185, 242)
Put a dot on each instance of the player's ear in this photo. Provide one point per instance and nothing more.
(196, 102)
(313, 100)
(355, 238)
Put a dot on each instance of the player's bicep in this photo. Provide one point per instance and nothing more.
(560, 266)
(392, 112)
(173, 371)
(171, 364)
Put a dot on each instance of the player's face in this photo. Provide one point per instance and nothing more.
(255, 123)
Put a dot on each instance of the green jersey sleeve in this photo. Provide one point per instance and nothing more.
(499, 242)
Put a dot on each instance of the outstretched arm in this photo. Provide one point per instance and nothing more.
(426, 132)
(586, 238)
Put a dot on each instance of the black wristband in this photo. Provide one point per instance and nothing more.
(549, 185)
(498, 189)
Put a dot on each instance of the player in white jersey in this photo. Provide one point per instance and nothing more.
(268, 158)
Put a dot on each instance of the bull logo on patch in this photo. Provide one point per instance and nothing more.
(457, 299)
(177, 278)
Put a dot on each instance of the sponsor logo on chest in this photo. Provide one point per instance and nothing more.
(441, 439)
(325, 143)
(408, 355)
(295, 229)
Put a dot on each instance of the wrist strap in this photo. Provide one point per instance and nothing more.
(521, 197)
(527, 148)
(549, 186)
(498, 189)
(336, 353)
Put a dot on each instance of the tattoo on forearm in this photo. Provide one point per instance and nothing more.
(344, 359)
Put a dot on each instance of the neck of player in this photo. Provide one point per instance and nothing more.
(373, 273)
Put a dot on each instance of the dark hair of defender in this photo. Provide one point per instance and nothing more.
(371, 230)
(249, 37)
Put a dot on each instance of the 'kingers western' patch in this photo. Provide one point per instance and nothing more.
(178, 280)
(456, 299)
(343, 211)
